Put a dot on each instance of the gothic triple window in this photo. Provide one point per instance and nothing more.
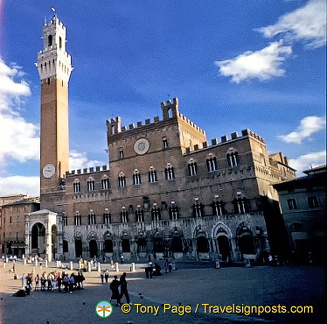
(211, 163)
(173, 211)
(76, 186)
(104, 183)
(218, 208)
(92, 218)
(232, 158)
(139, 215)
(169, 172)
(155, 213)
(136, 177)
(121, 180)
(77, 219)
(197, 210)
(152, 175)
(241, 206)
(106, 217)
(124, 216)
(192, 168)
(90, 184)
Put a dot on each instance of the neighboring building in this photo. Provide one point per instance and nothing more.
(303, 203)
(168, 192)
(12, 223)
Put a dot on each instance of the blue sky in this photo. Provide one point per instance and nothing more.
(232, 64)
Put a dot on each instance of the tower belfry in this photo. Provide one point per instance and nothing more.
(54, 67)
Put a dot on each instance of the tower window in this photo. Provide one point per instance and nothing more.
(165, 144)
(60, 42)
(49, 40)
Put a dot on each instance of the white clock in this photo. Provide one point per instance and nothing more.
(48, 171)
(141, 146)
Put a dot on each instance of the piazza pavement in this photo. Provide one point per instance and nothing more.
(193, 288)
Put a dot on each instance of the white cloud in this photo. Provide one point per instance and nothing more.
(79, 160)
(19, 139)
(307, 161)
(306, 24)
(262, 64)
(308, 126)
(19, 185)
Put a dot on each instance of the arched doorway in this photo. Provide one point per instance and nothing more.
(202, 244)
(125, 245)
(224, 248)
(93, 248)
(108, 246)
(78, 247)
(245, 239)
(38, 239)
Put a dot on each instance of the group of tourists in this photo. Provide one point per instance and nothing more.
(53, 281)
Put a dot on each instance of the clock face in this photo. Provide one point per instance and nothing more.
(48, 171)
(141, 146)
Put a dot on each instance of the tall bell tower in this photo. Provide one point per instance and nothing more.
(54, 67)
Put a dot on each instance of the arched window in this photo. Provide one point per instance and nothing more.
(241, 206)
(49, 40)
(155, 213)
(192, 168)
(139, 215)
(106, 216)
(173, 211)
(197, 209)
(77, 219)
(218, 207)
(124, 215)
(77, 186)
(211, 163)
(165, 143)
(60, 42)
(169, 172)
(92, 218)
(121, 180)
(232, 158)
(105, 183)
(136, 177)
(90, 184)
(152, 175)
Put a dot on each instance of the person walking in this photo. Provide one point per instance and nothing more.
(106, 275)
(123, 289)
(114, 289)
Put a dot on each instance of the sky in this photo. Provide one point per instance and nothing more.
(233, 65)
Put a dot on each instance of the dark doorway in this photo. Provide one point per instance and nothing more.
(64, 246)
(202, 244)
(246, 244)
(78, 248)
(176, 244)
(125, 245)
(38, 238)
(108, 246)
(224, 249)
(93, 247)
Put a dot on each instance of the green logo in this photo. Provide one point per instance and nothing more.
(104, 309)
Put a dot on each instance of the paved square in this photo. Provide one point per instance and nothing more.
(183, 289)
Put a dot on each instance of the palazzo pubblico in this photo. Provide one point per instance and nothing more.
(167, 192)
